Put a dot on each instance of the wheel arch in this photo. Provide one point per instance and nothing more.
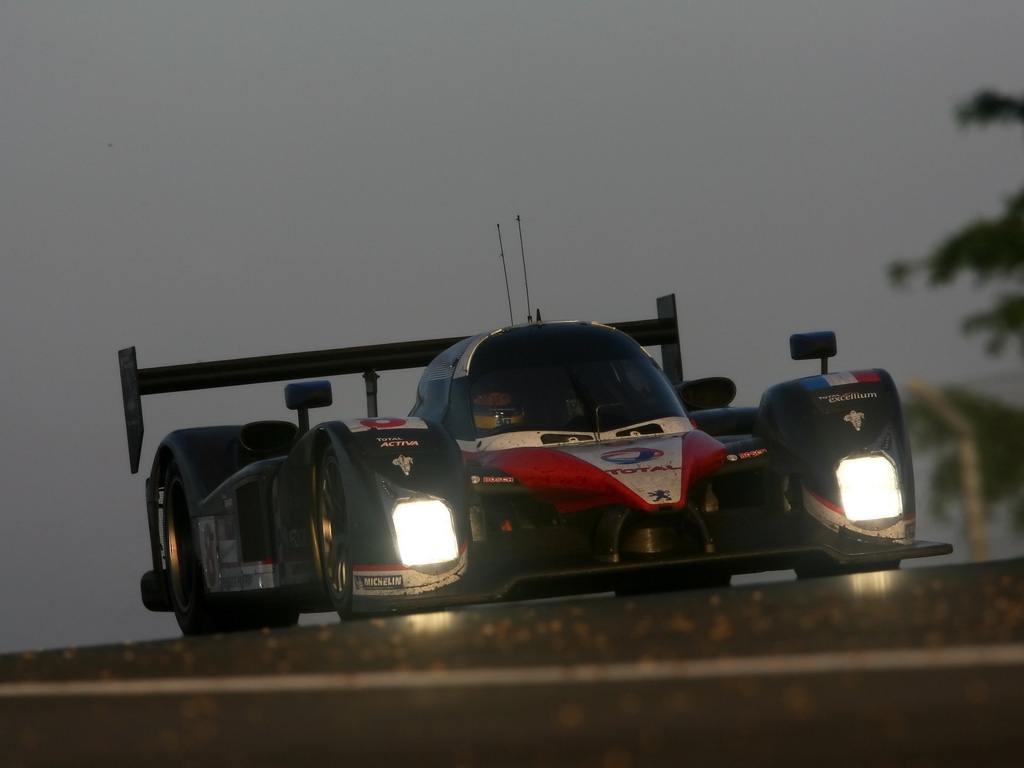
(369, 472)
(204, 457)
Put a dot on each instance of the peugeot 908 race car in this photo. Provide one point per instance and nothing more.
(539, 459)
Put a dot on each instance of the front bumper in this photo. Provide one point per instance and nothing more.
(554, 562)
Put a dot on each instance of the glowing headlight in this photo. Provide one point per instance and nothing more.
(870, 488)
(424, 531)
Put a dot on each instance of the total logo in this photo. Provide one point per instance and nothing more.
(382, 423)
(635, 455)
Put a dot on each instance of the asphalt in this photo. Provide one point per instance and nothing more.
(921, 666)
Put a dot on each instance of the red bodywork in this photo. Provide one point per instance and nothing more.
(572, 483)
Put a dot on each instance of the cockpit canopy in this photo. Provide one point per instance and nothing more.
(546, 377)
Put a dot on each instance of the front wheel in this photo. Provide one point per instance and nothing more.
(333, 541)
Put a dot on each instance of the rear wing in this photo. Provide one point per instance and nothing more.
(662, 331)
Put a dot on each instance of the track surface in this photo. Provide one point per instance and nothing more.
(923, 666)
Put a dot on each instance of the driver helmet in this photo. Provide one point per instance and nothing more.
(494, 408)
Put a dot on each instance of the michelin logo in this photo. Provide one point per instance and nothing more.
(383, 581)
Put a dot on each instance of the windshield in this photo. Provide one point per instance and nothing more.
(579, 390)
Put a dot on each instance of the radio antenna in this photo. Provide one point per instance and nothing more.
(501, 249)
(529, 316)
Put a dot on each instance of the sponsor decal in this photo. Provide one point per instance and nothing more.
(843, 397)
(404, 463)
(485, 479)
(634, 470)
(385, 423)
(855, 418)
(842, 379)
(657, 496)
(380, 581)
(388, 442)
(393, 579)
(634, 455)
(747, 454)
(382, 423)
(208, 547)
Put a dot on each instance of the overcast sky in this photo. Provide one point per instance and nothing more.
(216, 179)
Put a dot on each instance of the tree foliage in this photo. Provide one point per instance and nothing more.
(991, 251)
(988, 107)
(1000, 431)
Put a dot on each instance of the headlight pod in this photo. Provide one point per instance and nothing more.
(869, 487)
(424, 531)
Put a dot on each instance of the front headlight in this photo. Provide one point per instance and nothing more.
(869, 488)
(424, 531)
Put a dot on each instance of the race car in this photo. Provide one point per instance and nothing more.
(540, 459)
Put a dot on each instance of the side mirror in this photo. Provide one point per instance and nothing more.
(303, 395)
(818, 345)
(710, 392)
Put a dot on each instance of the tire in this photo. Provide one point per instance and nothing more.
(186, 581)
(184, 574)
(332, 534)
